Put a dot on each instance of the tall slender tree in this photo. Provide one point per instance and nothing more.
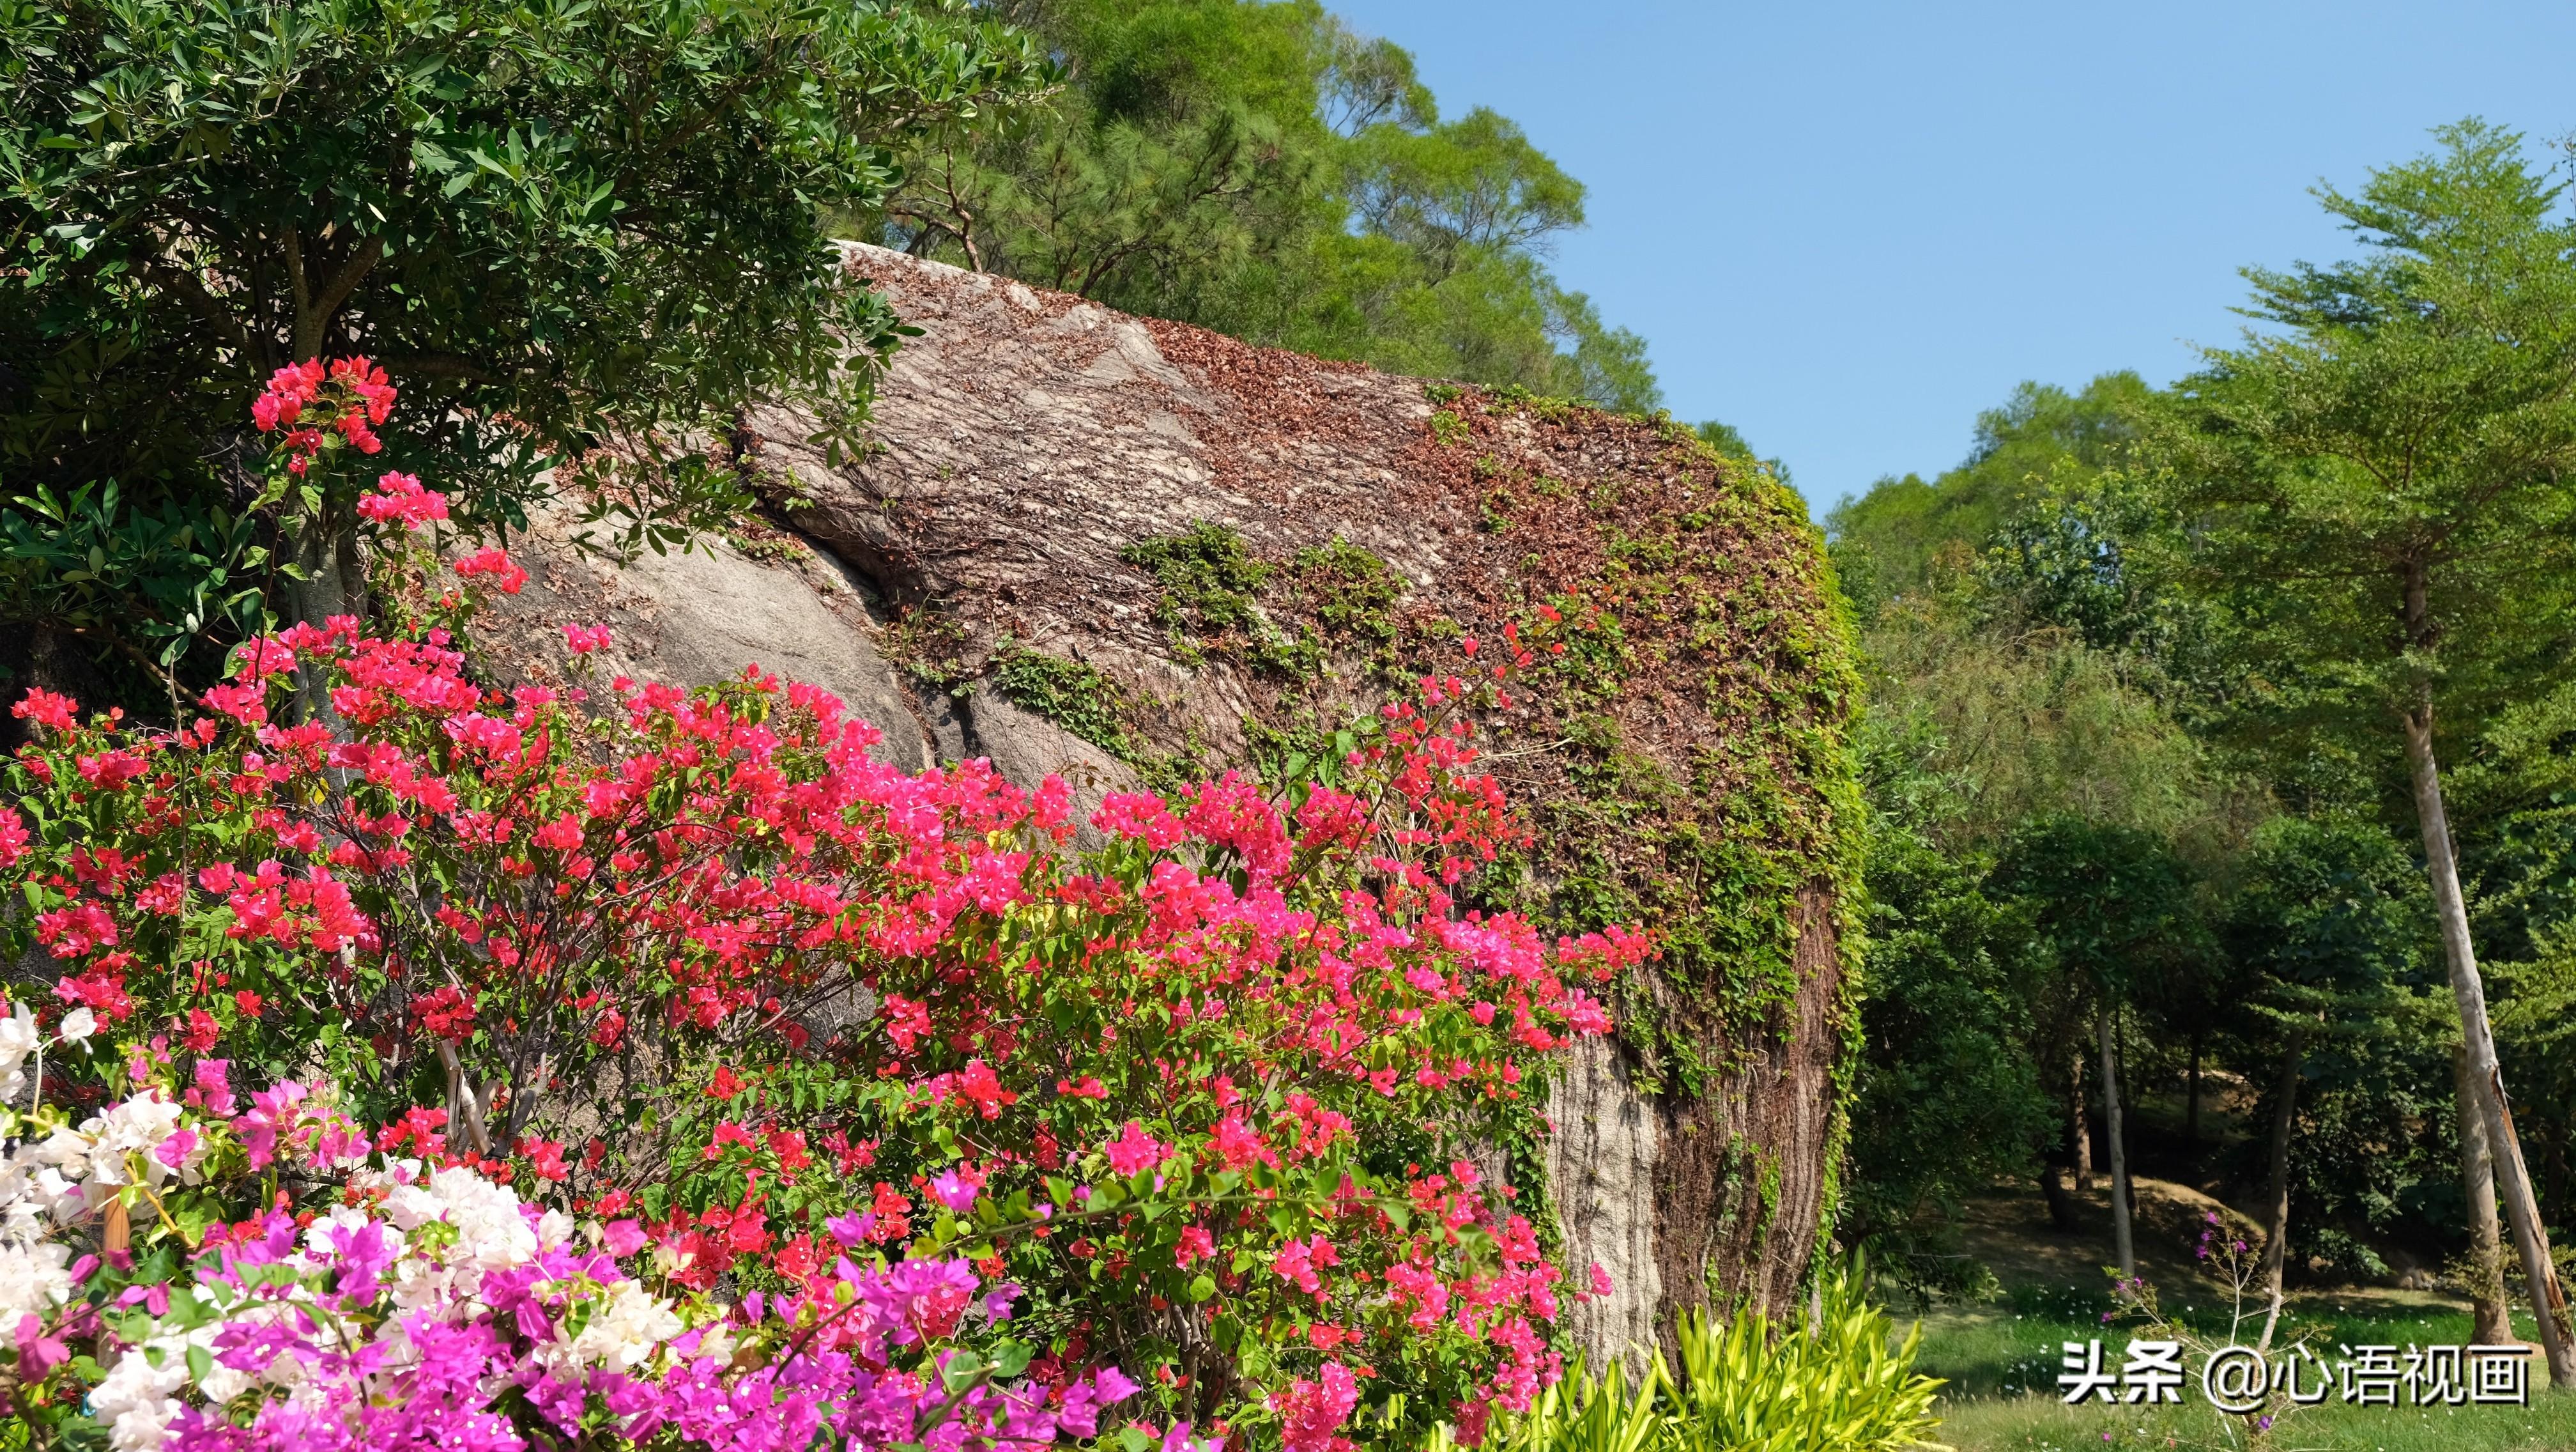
(2112, 908)
(2378, 494)
(2324, 929)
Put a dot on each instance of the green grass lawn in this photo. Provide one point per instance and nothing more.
(2001, 1366)
(2013, 1347)
(2000, 1361)
(2041, 1424)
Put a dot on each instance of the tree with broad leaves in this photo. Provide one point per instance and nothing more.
(2377, 496)
(2113, 912)
(557, 224)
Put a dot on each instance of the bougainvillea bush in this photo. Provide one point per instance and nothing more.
(1217, 1093)
(428, 1305)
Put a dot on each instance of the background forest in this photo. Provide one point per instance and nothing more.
(2141, 668)
(2217, 734)
(1263, 171)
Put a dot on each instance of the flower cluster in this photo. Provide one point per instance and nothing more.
(345, 399)
(21, 1040)
(427, 1304)
(400, 499)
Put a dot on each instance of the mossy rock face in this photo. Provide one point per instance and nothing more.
(1185, 554)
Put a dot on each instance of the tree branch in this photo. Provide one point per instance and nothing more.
(302, 292)
(439, 365)
(344, 282)
(185, 286)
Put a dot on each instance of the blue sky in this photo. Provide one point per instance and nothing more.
(1846, 228)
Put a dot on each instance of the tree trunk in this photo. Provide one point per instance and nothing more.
(2555, 1156)
(2512, 1180)
(2061, 1205)
(2121, 1240)
(2276, 1231)
(2120, 1057)
(334, 583)
(2191, 1105)
(2492, 1322)
(2080, 1133)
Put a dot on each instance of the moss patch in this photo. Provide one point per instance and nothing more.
(931, 647)
(1347, 590)
(1208, 601)
(1208, 578)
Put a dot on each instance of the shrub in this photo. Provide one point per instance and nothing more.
(1757, 1387)
(1212, 1094)
(427, 1305)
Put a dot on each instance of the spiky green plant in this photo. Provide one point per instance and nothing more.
(1749, 1385)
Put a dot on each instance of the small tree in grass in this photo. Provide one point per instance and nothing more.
(2112, 908)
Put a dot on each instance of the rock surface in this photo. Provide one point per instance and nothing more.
(1027, 443)
(697, 617)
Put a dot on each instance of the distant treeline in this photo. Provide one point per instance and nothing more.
(2173, 692)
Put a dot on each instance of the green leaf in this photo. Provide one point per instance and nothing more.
(1010, 1358)
(964, 1369)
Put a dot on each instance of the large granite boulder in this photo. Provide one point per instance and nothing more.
(1129, 550)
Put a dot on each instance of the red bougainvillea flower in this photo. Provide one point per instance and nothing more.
(346, 398)
(505, 572)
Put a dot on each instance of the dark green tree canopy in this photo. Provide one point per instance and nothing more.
(2377, 492)
(2327, 905)
(2109, 903)
(1890, 542)
(584, 215)
(1259, 169)
(1948, 1099)
(555, 222)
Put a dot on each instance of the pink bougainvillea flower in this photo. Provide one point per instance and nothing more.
(1135, 1151)
(957, 1189)
(400, 499)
